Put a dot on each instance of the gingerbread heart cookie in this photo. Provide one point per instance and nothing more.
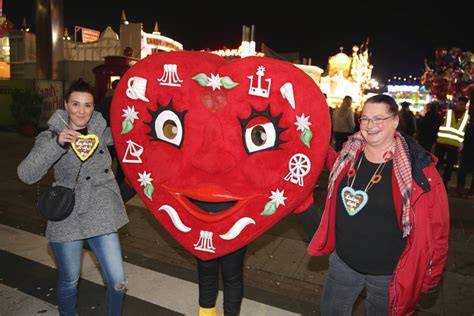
(85, 145)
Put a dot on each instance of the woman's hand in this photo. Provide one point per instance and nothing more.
(67, 136)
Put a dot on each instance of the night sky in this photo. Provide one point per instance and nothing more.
(401, 33)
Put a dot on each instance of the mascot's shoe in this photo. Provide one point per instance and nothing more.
(207, 311)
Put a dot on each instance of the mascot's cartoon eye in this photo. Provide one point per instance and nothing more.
(168, 127)
(167, 124)
(260, 137)
(260, 131)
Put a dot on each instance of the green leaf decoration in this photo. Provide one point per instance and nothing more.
(202, 79)
(149, 189)
(228, 83)
(127, 126)
(306, 137)
(270, 208)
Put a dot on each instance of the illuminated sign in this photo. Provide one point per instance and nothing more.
(88, 35)
(152, 43)
(402, 88)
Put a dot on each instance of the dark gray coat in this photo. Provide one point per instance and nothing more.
(99, 208)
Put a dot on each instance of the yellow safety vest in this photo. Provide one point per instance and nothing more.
(452, 130)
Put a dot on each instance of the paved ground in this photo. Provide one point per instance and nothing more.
(277, 267)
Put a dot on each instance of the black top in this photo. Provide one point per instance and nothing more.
(83, 131)
(370, 241)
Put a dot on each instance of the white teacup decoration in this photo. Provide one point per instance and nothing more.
(137, 88)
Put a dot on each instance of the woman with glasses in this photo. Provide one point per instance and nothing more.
(386, 220)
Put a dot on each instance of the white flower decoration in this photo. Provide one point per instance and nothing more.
(130, 114)
(302, 122)
(145, 178)
(278, 197)
(215, 82)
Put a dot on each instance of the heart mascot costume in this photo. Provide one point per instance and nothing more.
(219, 151)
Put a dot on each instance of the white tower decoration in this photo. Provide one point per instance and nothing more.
(258, 90)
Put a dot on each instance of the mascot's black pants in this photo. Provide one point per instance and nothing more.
(232, 266)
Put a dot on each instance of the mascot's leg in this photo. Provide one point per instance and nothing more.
(207, 311)
(208, 279)
(233, 276)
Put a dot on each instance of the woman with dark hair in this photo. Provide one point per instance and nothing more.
(98, 211)
(343, 122)
(380, 182)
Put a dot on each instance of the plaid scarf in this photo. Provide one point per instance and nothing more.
(401, 166)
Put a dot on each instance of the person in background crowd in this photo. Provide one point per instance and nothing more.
(104, 108)
(451, 137)
(343, 122)
(407, 120)
(98, 212)
(428, 126)
(467, 159)
(374, 241)
(356, 119)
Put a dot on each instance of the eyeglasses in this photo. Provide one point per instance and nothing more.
(376, 120)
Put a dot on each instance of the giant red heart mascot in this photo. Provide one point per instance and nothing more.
(219, 151)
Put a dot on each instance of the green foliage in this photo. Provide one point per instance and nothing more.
(26, 106)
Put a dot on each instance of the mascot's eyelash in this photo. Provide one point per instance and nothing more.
(155, 114)
(272, 119)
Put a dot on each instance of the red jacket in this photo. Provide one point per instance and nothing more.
(422, 261)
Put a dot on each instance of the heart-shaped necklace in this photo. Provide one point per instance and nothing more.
(355, 200)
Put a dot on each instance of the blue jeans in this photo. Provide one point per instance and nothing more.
(106, 249)
(343, 286)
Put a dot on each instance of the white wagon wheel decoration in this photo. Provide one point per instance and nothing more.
(299, 166)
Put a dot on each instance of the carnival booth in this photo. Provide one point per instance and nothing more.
(409, 90)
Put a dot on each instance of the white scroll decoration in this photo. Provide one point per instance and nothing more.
(237, 228)
(175, 218)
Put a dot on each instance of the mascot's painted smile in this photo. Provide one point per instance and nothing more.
(219, 151)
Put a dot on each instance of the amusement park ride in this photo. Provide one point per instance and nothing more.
(348, 76)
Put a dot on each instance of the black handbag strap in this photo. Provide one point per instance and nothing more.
(75, 182)
(77, 177)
